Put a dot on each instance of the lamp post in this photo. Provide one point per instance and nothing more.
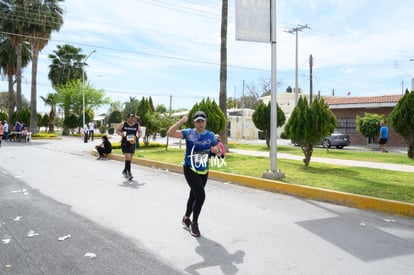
(412, 79)
(83, 87)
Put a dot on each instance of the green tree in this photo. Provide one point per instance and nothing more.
(308, 125)
(44, 122)
(152, 126)
(261, 119)
(9, 67)
(39, 121)
(216, 121)
(145, 111)
(67, 69)
(12, 12)
(402, 120)
(3, 116)
(23, 116)
(160, 108)
(71, 122)
(43, 17)
(369, 125)
(4, 100)
(65, 97)
(51, 100)
(115, 117)
(67, 64)
(71, 100)
(131, 106)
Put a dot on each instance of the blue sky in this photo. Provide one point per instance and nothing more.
(163, 48)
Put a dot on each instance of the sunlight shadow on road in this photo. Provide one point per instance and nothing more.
(214, 254)
(132, 184)
(368, 241)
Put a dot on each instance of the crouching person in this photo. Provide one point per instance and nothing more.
(104, 148)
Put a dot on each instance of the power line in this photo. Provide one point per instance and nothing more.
(142, 53)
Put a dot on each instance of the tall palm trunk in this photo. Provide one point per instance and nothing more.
(19, 76)
(17, 43)
(223, 67)
(52, 119)
(37, 46)
(11, 102)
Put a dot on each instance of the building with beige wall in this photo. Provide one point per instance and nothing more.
(240, 124)
(346, 109)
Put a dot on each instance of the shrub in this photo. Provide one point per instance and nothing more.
(163, 132)
(111, 130)
(102, 129)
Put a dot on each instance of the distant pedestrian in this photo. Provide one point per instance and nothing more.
(104, 148)
(200, 143)
(91, 128)
(130, 131)
(85, 134)
(1, 132)
(222, 149)
(383, 137)
(6, 130)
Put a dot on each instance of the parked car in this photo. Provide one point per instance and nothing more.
(338, 140)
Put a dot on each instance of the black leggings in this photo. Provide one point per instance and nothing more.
(197, 195)
(102, 151)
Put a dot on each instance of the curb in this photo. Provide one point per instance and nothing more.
(319, 194)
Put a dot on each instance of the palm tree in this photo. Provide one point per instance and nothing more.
(223, 65)
(12, 11)
(43, 17)
(65, 69)
(8, 63)
(67, 64)
(51, 100)
(131, 106)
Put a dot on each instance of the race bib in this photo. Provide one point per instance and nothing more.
(131, 139)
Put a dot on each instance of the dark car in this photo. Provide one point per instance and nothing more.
(338, 140)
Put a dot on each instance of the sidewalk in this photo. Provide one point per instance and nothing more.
(343, 162)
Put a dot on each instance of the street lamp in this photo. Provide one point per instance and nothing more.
(83, 88)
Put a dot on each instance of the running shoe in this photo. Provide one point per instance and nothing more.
(187, 223)
(125, 173)
(194, 230)
(130, 177)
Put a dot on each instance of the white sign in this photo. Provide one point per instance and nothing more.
(253, 20)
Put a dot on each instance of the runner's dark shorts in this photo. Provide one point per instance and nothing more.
(128, 148)
(383, 140)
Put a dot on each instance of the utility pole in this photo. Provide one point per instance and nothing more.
(296, 30)
(242, 105)
(310, 79)
(412, 79)
(83, 87)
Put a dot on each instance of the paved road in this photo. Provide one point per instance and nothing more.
(24, 209)
(244, 231)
